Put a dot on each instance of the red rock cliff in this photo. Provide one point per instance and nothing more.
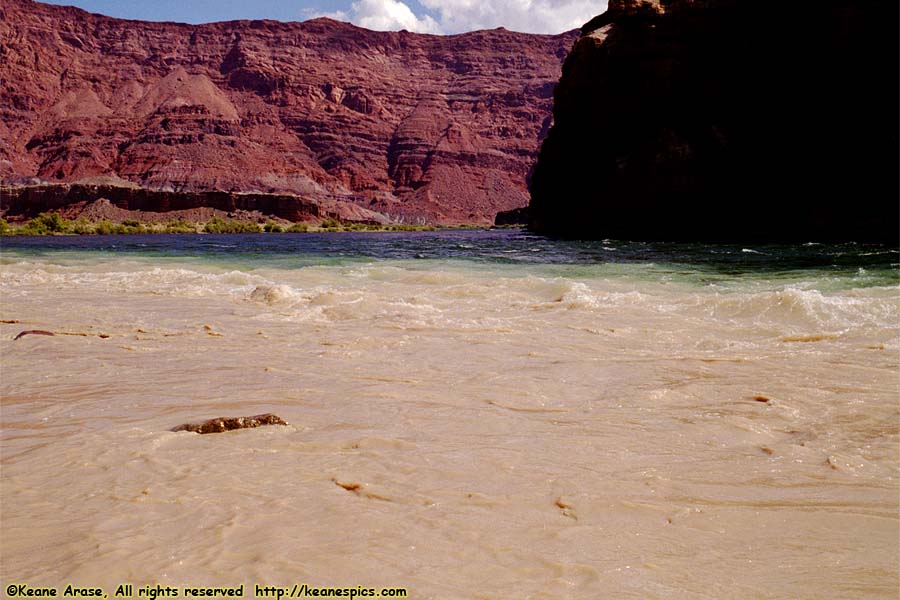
(416, 127)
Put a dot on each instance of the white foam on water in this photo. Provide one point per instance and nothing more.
(276, 294)
(802, 308)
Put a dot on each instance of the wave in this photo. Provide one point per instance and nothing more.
(159, 280)
(803, 309)
(444, 291)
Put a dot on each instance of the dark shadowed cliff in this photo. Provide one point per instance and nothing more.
(725, 120)
(405, 126)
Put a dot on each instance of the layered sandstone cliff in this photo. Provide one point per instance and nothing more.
(412, 127)
(724, 120)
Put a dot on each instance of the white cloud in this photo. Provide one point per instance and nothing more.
(338, 15)
(384, 15)
(455, 16)
(532, 16)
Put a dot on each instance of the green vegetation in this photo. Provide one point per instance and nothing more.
(82, 227)
(219, 225)
(46, 224)
(55, 224)
(403, 227)
(179, 226)
(335, 225)
(104, 228)
(129, 227)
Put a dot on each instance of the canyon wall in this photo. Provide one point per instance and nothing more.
(415, 128)
(724, 120)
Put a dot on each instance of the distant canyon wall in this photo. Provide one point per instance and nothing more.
(725, 120)
(440, 129)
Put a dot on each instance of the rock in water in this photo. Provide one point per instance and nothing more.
(726, 120)
(228, 423)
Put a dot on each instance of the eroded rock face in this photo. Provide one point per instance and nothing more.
(223, 424)
(73, 200)
(415, 127)
(726, 120)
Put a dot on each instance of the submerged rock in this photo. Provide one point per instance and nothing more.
(228, 423)
(721, 120)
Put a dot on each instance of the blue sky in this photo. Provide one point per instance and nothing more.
(424, 16)
(204, 11)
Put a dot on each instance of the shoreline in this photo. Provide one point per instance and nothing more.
(52, 224)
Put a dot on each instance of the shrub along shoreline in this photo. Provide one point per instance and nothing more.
(55, 224)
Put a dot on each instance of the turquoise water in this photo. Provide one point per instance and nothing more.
(827, 266)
